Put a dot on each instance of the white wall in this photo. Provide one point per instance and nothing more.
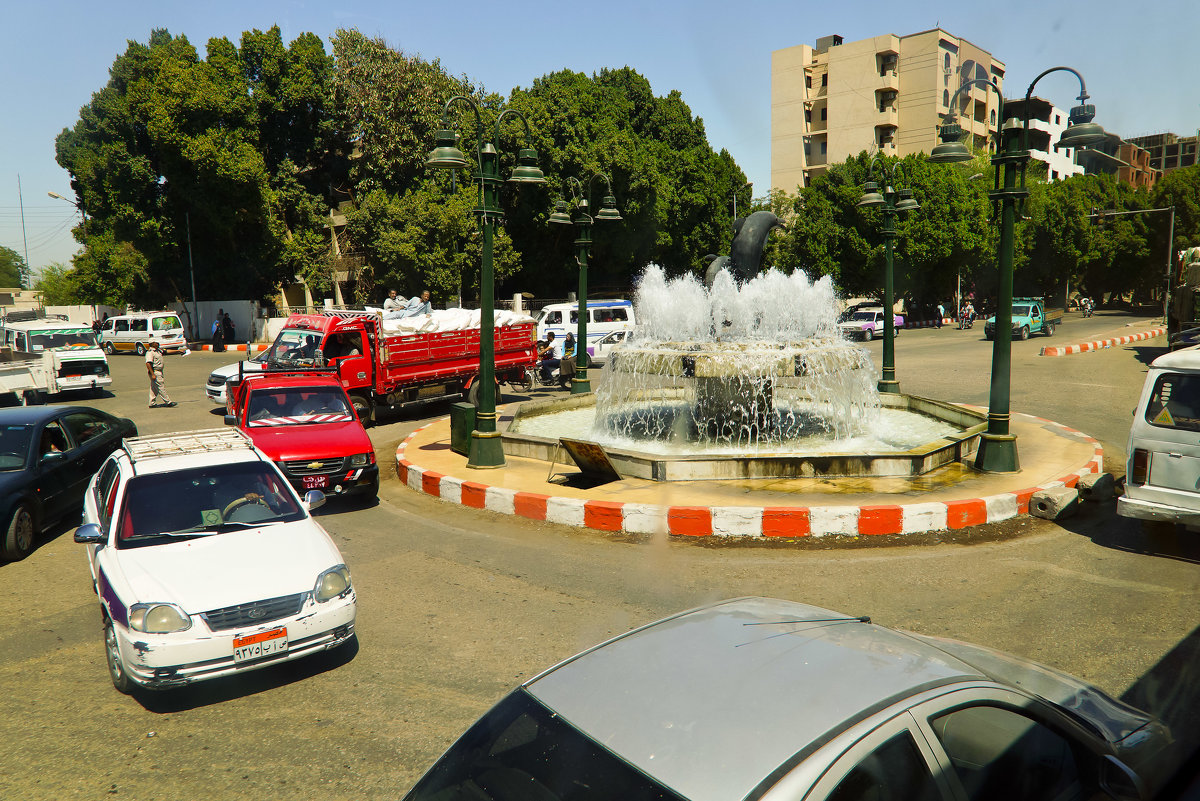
(248, 326)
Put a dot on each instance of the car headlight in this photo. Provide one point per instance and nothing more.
(358, 460)
(331, 584)
(158, 618)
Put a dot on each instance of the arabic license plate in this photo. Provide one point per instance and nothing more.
(315, 482)
(263, 644)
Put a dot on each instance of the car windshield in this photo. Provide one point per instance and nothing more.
(520, 750)
(203, 501)
(864, 315)
(14, 446)
(298, 406)
(63, 340)
(295, 346)
(1020, 311)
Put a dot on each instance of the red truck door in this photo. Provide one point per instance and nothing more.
(350, 352)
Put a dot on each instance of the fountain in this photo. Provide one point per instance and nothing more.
(745, 376)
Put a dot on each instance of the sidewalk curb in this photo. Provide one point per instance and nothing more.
(1067, 350)
(738, 521)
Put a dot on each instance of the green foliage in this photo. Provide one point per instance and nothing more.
(59, 285)
(14, 272)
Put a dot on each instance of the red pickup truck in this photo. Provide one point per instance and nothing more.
(396, 370)
(305, 423)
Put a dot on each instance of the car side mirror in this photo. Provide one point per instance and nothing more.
(314, 499)
(89, 533)
(51, 456)
(1119, 781)
(230, 420)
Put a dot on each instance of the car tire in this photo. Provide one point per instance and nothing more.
(139, 349)
(868, 334)
(19, 535)
(362, 407)
(108, 348)
(1024, 335)
(112, 656)
(1049, 329)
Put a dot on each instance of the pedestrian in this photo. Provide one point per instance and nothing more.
(227, 328)
(941, 311)
(218, 333)
(154, 369)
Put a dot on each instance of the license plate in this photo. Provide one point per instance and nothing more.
(257, 646)
(315, 482)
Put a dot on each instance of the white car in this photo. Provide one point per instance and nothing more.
(214, 388)
(598, 353)
(207, 563)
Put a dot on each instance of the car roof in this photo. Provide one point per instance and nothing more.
(165, 453)
(268, 380)
(24, 415)
(1182, 359)
(712, 701)
(43, 323)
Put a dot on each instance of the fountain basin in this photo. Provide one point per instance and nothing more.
(968, 425)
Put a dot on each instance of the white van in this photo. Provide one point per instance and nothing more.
(604, 318)
(79, 363)
(131, 333)
(1162, 476)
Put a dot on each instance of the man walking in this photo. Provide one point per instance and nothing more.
(941, 314)
(154, 369)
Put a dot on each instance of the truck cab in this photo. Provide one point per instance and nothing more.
(73, 358)
(306, 424)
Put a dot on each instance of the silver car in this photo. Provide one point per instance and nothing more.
(757, 699)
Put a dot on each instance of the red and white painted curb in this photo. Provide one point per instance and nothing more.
(738, 521)
(252, 348)
(1067, 350)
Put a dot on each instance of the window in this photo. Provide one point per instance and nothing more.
(554, 318)
(106, 492)
(808, 115)
(54, 439)
(946, 97)
(999, 754)
(824, 79)
(137, 325)
(808, 81)
(1058, 119)
(164, 323)
(824, 114)
(823, 148)
(946, 62)
(1054, 175)
(620, 315)
(992, 117)
(85, 425)
(122, 325)
(1175, 402)
(807, 149)
(894, 770)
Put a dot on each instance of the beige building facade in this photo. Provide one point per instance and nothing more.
(835, 99)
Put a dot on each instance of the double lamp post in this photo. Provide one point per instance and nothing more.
(998, 446)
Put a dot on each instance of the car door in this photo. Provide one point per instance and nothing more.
(93, 436)
(99, 506)
(53, 470)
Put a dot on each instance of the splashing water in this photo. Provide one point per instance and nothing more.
(761, 364)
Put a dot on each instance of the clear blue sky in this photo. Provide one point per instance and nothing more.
(1140, 68)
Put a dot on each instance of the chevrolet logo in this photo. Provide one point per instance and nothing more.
(315, 465)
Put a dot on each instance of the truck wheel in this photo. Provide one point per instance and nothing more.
(526, 382)
(473, 394)
(1024, 333)
(362, 407)
(1049, 329)
(868, 334)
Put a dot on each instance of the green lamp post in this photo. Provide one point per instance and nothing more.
(998, 447)
(892, 202)
(486, 449)
(583, 249)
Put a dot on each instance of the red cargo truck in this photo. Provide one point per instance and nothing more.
(397, 370)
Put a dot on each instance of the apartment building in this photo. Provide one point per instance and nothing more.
(1126, 161)
(1046, 124)
(834, 99)
(1168, 151)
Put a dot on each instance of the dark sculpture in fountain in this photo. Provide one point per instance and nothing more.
(749, 241)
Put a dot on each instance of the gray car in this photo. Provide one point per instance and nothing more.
(756, 699)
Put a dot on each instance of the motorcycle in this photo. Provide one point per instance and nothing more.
(965, 320)
(1088, 308)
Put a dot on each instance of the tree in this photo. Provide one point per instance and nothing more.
(59, 286)
(14, 272)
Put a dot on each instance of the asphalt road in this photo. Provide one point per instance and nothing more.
(456, 605)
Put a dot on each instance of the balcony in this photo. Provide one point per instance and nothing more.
(887, 115)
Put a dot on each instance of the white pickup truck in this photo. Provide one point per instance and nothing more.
(868, 323)
(29, 376)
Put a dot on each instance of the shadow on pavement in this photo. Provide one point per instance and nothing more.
(216, 691)
(1100, 523)
(1146, 353)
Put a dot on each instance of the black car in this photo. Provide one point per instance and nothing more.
(47, 456)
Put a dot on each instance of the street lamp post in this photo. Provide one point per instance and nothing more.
(78, 208)
(997, 446)
(486, 449)
(580, 383)
(893, 202)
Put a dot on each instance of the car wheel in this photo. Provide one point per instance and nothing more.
(1024, 333)
(362, 407)
(140, 349)
(868, 334)
(112, 655)
(108, 348)
(1049, 329)
(18, 538)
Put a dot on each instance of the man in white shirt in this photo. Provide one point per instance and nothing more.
(418, 305)
(154, 369)
(393, 302)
